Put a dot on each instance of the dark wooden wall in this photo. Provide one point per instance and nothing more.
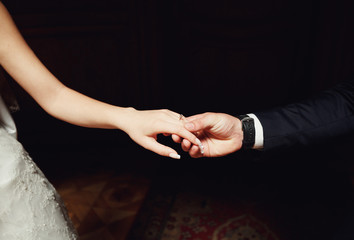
(240, 56)
(188, 56)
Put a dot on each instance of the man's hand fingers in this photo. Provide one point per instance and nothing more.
(176, 138)
(194, 152)
(183, 133)
(186, 145)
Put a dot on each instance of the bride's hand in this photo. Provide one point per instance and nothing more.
(144, 126)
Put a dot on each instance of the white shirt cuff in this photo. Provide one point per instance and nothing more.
(259, 139)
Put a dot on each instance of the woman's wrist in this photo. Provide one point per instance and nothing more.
(123, 117)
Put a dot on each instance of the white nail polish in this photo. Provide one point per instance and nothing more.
(201, 147)
(175, 156)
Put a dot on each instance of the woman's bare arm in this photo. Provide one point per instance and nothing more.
(66, 104)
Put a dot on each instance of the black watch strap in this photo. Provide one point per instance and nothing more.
(249, 131)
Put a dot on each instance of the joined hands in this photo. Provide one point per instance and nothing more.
(220, 134)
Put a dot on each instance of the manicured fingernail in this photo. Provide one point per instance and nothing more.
(201, 147)
(175, 156)
(199, 143)
(189, 126)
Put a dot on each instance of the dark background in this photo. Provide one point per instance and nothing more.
(190, 56)
(187, 56)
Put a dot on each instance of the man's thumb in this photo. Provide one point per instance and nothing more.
(190, 126)
(200, 123)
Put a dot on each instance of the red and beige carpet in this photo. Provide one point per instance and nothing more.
(187, 215)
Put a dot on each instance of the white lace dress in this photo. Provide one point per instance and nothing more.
(30, 208)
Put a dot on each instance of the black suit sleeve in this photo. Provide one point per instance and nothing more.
(328, 115)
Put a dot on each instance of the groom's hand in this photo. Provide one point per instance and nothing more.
(220, 134)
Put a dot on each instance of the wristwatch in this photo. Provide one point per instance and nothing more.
(249, 131)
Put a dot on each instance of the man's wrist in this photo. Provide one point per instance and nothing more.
(252, 130)
(248, 131)
(259, 138)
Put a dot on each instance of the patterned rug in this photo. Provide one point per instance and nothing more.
(230, 202)
(190, 216)
(190, 207)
